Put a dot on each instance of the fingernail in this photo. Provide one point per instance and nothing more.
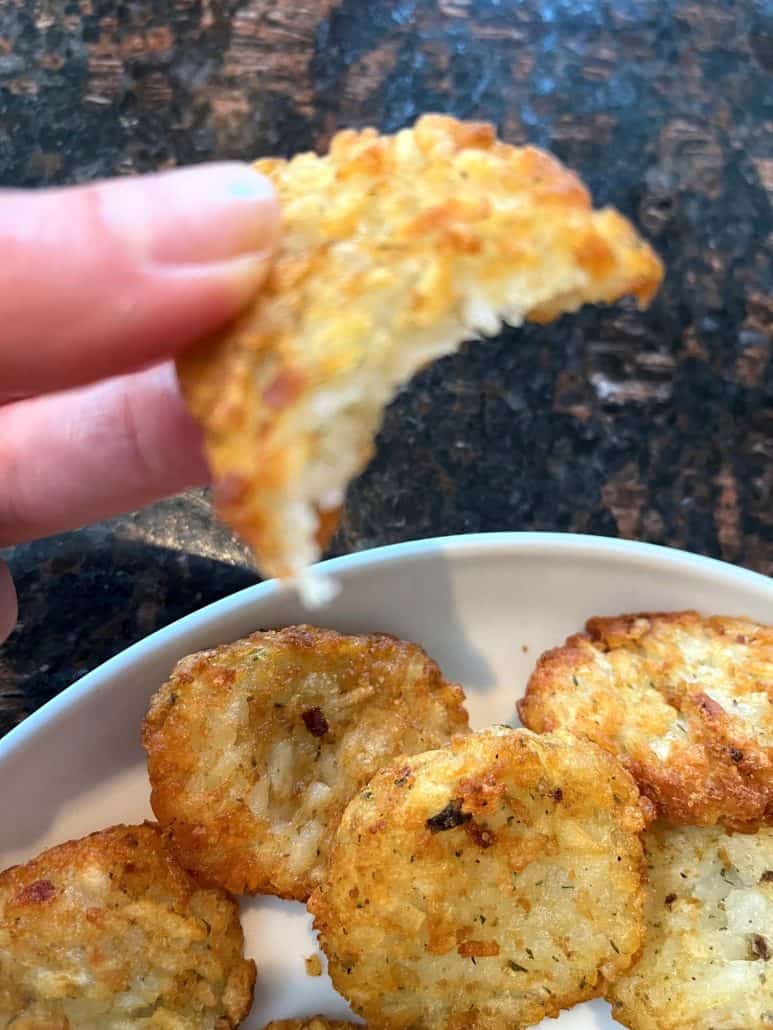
(204, 215)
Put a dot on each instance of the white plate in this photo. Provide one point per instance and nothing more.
(484, 606)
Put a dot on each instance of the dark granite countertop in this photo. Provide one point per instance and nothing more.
(655, 426)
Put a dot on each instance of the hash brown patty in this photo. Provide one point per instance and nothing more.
(486, 884)
(255, 748)
(685, 702)
(108, 932)
(707, 963)
(394, 249)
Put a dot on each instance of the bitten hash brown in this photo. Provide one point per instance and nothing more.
(685, 702)
(707, 963)
(108, 932)
(255, 748)
(394, 250)
(484, 885)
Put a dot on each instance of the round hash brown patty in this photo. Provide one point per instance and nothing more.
(707, 963)
(483, 885)
(255, 748)
(685, 702)
(108, 932)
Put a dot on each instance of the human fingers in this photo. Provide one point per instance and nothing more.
(91, 452)
(102, 279)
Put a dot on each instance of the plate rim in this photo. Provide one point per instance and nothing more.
(470, 544)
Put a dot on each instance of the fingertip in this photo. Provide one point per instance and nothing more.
(251, 185)
(102, 279)
(197, 216)
(9, 607)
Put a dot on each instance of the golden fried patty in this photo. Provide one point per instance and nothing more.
(685, 702)
(108, 932)
(707, 963)
(484, 885)
(394, 250)
(255, 748)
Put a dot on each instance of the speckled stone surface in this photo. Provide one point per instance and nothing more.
(655, 426)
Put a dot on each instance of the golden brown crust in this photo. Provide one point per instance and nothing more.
(486, 884)
(707, 956)
(255, 748)
(394, 250)
(110, 931)
(685, 702)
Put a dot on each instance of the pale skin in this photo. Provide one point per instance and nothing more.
(100, 287)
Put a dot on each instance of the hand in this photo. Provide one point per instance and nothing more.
(100, 286)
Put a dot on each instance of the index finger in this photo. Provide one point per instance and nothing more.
(106, 278)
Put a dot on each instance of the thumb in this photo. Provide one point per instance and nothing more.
(8, 606)
(103, 279)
